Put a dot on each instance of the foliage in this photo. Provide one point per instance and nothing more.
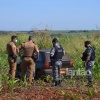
(73, 45)
(90, 93)
(48, 78)
(64, 94)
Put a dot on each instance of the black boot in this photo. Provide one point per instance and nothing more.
(89, 84)
(56, 83)
(59, 82)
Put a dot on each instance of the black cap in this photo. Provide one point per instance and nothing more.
(13, 37)
(87, 42)
(55, 40)
(30, 37)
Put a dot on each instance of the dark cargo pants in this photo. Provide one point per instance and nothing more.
(89, 67)
(56, 70)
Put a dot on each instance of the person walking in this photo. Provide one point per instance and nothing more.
(56, 55)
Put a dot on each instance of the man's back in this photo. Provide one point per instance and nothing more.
(28, 48)
(58, 52)
(11, 48)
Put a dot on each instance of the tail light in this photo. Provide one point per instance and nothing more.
(71, 63)
(47, 65)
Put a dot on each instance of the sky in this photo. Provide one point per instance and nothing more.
(25, 15)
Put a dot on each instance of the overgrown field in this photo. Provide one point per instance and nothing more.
(73, 87)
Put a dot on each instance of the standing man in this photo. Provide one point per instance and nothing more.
(88, 58)
(56, 54)
(12, 58)
(27, 62)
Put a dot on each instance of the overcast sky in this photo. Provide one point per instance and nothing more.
(18, 15)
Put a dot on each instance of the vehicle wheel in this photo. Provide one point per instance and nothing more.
(18, 71)
(39, 74)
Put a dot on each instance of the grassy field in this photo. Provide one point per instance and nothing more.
(73, 44)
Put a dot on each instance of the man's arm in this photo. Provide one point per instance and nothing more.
(63, 51)
(52, 52)
(87, 60)
(36, 50)
(20, 47)
(89, 52)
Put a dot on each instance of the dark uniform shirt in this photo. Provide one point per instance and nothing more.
(52, 52)
(89, 51)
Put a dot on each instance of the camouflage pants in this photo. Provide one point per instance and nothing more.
(89, 67)
(56, 70)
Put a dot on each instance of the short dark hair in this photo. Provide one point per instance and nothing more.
(87, 42)
(55, 40)
(13, 37)
(30, 38)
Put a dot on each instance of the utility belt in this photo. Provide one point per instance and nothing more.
(26, 56)
(13, 57)
(29, 57)
(89, 61)
(54, 60)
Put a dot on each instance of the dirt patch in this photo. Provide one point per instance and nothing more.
(48, 92)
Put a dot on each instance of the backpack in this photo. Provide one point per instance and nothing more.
(84, 55)
(93, 54)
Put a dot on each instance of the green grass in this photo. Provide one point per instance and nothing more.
(72, 43)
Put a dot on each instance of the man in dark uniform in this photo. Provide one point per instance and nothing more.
(88, 58)
(27, 62)
(56, 54)
(12, 58)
